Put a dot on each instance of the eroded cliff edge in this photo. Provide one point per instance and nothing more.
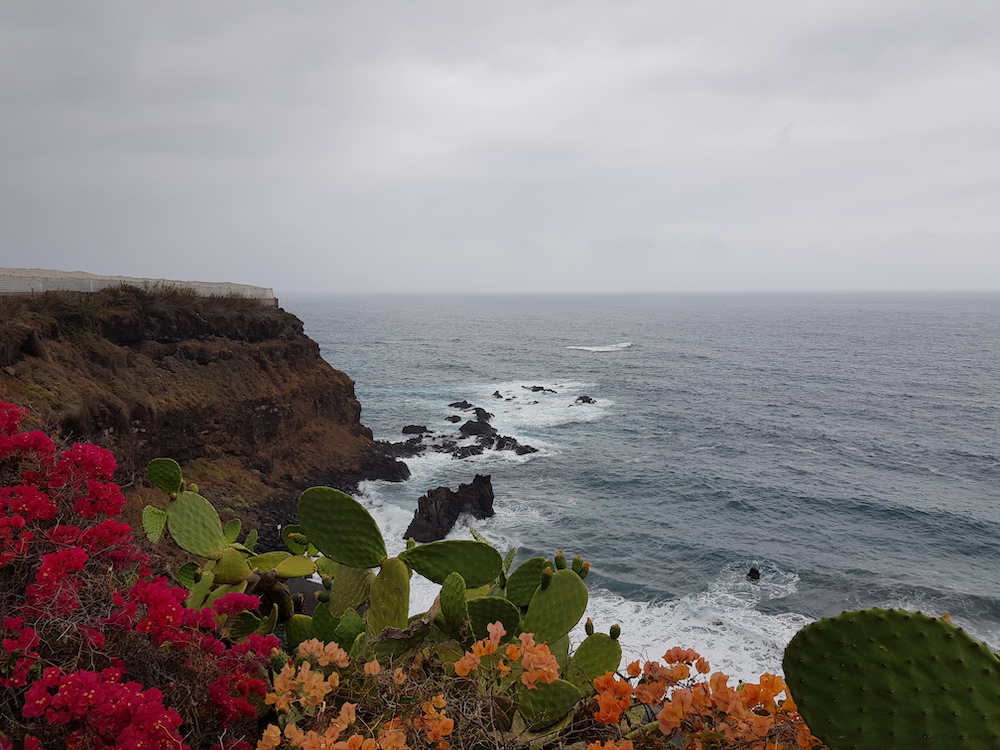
(230, 387)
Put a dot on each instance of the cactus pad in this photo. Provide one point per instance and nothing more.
(291, 535)
(326, 567)
(251, 540)
(188, 575)
(269, 560)
(883, 679)
(477, 563)
(324, 624)
(198, 592)
(231, 567)
(599, 653)
(547, 703)
(295, 566)
(348, 630)
(231, 531)
(195, 526)
(299, 628)
(556, 609)
(166, 474)
(487, 610)
(454, 607)
(341, 527)
(349, 589)
(526, 578)
(153, 521)
(389, 597)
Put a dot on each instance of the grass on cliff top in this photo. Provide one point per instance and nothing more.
(87, 310)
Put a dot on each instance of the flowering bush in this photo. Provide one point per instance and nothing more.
(702, 710)
(321, 693)
(94, 652)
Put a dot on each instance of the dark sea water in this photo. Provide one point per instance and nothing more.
(845, 445)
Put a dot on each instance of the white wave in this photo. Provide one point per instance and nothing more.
(526, 414)
(721, 623)
(606, 348)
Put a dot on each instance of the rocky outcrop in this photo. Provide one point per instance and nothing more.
(440, 508)
(230, 387)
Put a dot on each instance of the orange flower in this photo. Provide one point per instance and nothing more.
(513, 652)
(372, 667)
(702, 666)
(678, 654)
(633, 669)
(496, 631)
(399, 676)
(270, 739)
(504, 668)
(392, 739)
(610, 745)
(325, 653)
(484, 648)
(466, 664)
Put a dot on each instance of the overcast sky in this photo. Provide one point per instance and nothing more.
(553, 145)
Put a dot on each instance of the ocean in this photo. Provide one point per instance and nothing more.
(846, 445)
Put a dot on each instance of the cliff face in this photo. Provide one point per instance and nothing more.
(232, 388)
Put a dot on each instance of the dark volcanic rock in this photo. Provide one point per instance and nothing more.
(496, 394)
(415, 429)
(538, 389)
(482, 415)
(584, 400)
(477, 428)
(438, 510)
(464, 405)
(467, 450)
(522, 450)
(453, 418)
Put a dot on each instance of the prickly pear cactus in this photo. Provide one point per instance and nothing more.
(556, 608)
(298, 628)
(389, 597)
(349, 589)
(546, 703)
(153, 521)
(599, 653)
(487, 610)
(231, 567)
(166, 474)
(195, 526)
(881, 679)
(341, 528)
(478, 563)
(454, 607)
(295, 566)
(524, 581)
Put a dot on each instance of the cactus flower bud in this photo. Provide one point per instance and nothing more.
(560, 560)
(193, 488)
(546, 577)
(615, 632)
(578, 564)
(585, 571)
(589, 627)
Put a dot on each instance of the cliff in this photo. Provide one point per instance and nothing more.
(230, 387)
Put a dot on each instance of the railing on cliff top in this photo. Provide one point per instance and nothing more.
(34, 280)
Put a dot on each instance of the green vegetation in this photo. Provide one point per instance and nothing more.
(96, 650)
